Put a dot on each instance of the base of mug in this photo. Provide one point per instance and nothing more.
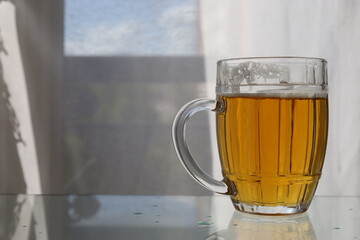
(276, 210)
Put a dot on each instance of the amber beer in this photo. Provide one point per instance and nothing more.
(272, 148)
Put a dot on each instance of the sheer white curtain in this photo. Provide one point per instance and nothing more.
(327, 29)
(15, 96)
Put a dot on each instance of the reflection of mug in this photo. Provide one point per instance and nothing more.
(243, 227)
(272, 120)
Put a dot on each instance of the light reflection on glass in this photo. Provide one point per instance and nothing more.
(245, 226)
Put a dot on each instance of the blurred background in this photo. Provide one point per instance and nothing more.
(89, 89)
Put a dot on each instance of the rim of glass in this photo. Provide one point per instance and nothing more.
(322, 60)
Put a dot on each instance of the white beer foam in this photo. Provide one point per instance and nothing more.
(272, 80)
(274, 91)
(276, 95)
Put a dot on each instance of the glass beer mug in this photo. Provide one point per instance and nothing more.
(272, 124)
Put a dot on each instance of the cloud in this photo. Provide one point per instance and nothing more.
(178, 15)
(180, 25)
(106, 40)
(172, 32)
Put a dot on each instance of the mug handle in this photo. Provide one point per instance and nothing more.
(178, 133)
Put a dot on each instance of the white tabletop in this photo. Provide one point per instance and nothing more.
(169, 217)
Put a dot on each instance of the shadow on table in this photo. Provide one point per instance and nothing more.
(245, 226)
(60, 217)
(10, 208)
(48, 217)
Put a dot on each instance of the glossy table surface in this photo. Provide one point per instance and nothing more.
(168, 217)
